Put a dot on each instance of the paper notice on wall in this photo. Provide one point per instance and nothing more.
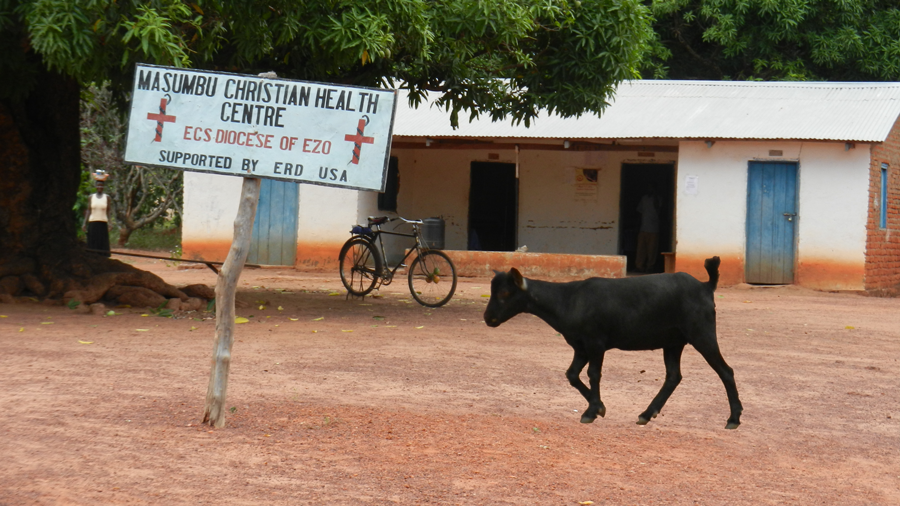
(586, 182)
(691, 185)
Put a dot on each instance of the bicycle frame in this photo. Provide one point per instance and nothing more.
(387, 274)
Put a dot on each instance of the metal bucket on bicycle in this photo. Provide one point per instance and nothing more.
(432, 276)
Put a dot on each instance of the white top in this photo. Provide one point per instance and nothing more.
(649, 217)
(99, 206)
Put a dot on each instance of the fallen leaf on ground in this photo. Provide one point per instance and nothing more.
(240, 319)
(293, 319)
(848, 327)
(319, 318)
(143, 330)
(85, 342)
(422, 327)
(46, 323)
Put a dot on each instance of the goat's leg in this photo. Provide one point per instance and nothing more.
(595, 405)
(672, 358)
(709, 348)
(573, 374)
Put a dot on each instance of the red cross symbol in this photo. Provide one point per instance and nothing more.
(161, 119)
(358, 140)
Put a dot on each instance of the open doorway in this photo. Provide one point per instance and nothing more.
(493, 207)
(639, 180)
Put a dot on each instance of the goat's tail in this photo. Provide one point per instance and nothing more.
(712, 268)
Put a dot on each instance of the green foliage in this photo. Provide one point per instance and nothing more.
(140, 196)
(840, 40)
(162, 311)
(83, 200)
(161, 237)
(566, 56)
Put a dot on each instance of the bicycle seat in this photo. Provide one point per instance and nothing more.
(378, 221)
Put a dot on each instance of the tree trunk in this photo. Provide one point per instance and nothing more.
(226, 286)
(124, 235)
(40, 169)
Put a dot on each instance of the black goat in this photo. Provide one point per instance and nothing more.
(664, 311)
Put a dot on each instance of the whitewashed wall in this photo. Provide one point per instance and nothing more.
(832, 208)
(552, 219)
(210, 207)
(834, 202)
(327, 214)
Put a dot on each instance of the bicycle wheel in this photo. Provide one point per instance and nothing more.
(360, 266)
(432, 278)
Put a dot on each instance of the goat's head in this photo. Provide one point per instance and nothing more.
(509, 297)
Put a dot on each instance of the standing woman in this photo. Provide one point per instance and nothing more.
(97, 218)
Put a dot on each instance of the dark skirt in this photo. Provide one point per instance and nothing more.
(98, 236)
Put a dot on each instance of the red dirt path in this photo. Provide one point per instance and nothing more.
(382, 401)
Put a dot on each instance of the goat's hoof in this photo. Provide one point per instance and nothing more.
(732, 425)
(602, 412)
(642, 418)
(587, 419)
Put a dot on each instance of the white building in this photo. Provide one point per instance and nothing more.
(783, 181)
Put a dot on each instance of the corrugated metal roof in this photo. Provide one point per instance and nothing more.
(861, 112)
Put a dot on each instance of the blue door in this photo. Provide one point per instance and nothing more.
(771, 222)
(275, 228)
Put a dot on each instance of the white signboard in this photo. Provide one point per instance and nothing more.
(263, 127)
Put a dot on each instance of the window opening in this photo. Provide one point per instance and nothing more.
(387, 200)
(884, 188)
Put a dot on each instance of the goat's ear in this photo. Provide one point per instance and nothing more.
(496, 272)
(518, 279)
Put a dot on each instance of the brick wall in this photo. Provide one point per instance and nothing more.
(883, 244)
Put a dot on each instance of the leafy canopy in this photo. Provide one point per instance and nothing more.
(565, 56)
(839, 40)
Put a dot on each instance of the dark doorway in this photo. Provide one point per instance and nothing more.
(493, 205)
(637, 181)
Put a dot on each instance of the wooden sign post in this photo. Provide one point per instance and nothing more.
(226, 287)
(256, 127)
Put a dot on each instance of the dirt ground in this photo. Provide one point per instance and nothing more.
(382, 401)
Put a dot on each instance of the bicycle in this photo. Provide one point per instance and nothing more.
(432, 276)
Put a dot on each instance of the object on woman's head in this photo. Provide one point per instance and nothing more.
(100, 176)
